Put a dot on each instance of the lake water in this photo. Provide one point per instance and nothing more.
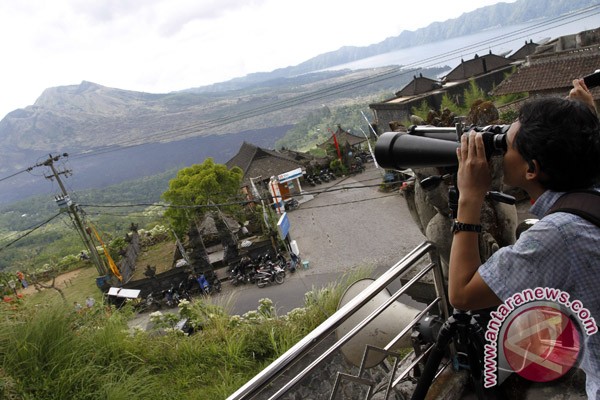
(501, 40)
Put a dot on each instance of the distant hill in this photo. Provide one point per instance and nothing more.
(115, 135)
(501, 14)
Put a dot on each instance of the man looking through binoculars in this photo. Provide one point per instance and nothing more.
(553, 148)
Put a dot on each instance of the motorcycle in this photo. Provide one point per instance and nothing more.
(183, 292)
(310, 180)
(330, 174)
(171, 297)
(289, 265)
(207, 288)
(236, 275)
(315, 179)
(291, 204)
(269, 274)
(149, 303)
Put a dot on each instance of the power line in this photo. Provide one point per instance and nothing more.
(349, 202)
(237, 202)
(336, 89)
(15, 174)
(29, 232)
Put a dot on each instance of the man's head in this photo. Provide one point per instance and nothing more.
(559, 141)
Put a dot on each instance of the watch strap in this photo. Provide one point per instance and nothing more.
(462, 227)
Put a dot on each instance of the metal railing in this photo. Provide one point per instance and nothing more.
(253, 387)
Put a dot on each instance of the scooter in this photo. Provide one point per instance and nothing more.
(171, 297)
(269, 274)
(291, 204)
(235, 275)
(208, 288)
(289, 265)
(149, 303)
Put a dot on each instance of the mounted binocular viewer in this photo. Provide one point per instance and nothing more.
(425, 146)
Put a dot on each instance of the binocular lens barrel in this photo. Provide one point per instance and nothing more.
(395, 150)
(401, 151)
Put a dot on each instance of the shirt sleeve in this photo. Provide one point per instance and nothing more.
(538, 259)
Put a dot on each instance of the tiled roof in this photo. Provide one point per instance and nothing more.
(477, 66)
(256, 161)
(523, 52)
(343, 137)
(418, 85)
(551, 72)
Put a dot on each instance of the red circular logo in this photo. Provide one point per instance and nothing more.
(541, 343)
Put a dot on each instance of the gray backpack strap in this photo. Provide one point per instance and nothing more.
(585, 204)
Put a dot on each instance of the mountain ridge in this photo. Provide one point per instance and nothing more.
(89, 118)
(468, 23)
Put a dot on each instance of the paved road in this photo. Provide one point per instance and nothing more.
(348, 224)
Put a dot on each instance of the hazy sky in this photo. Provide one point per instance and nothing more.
(160, 46)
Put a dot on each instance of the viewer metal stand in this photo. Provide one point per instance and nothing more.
(464, 330)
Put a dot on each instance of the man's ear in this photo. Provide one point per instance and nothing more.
(533, 170)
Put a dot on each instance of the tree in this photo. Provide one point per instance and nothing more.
(472, 94)
(203, 184)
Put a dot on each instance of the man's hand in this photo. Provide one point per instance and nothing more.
(466, 288)
(581, 92)
(473, 178)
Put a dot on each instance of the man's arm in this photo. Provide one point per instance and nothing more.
(467, 290)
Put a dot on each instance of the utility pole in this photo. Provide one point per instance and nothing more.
(64, 202)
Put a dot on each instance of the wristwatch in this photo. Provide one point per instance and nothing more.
(460, 227)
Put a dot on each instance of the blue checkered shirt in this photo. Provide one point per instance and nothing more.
(560, 251)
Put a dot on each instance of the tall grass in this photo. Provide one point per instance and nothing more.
(53, 352)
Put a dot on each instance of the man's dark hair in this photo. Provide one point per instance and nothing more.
(563, 136)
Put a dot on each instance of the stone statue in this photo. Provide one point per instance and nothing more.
(428, 204)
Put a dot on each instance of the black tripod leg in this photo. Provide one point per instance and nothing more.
(447, 331)
(475, 355)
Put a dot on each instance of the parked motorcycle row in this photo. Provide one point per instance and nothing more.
(263, 271)
(171, 297)
(325, 175)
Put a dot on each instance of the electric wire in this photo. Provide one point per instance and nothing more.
(336, 89)
(312, 96)
(15, 174)
(331, 90)
(237, 202)
(212, 205)
(29, 232)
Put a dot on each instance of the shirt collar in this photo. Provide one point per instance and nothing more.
(544, 202)
(547, 200)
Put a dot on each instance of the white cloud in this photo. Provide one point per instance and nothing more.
(166, 45)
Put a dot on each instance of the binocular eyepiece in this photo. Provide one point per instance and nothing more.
(424, 146)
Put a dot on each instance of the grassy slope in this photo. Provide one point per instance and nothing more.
(48, 351)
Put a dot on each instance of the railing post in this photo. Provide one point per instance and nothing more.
(439, 282)
(263, 378)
